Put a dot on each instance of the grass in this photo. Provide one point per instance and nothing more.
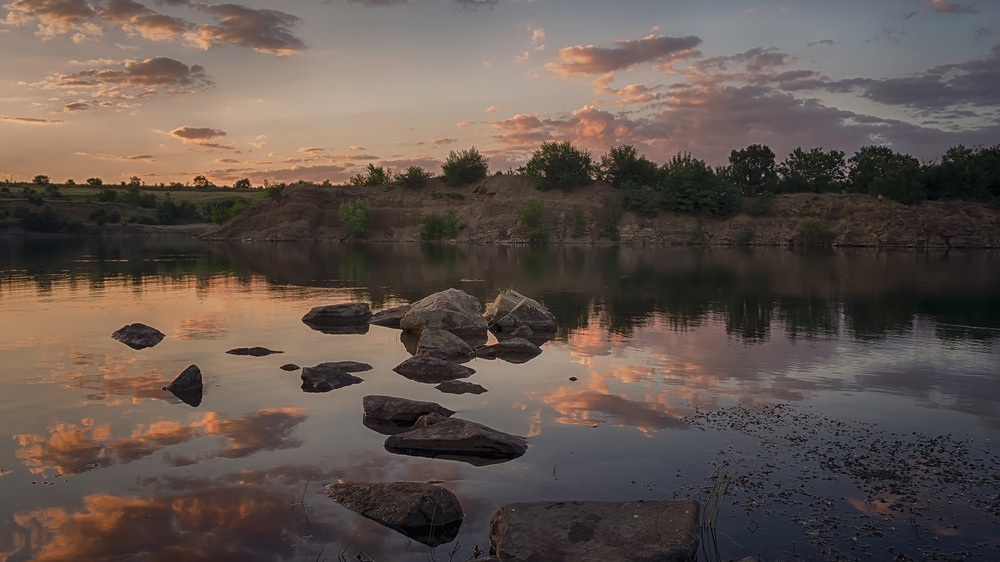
(713, 505)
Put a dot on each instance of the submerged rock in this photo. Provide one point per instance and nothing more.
(138, 336)
(454, 310)
(330, 376)
(425, 368)
(389, 317)
(426, 513)
(289, 367)
(637, 531)
(456, 439)
(188, 386)
(252, 351)
(346, 318)
(460, 387)
(513, 350)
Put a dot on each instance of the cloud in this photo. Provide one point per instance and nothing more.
(30, 120)
(53, 16)
(945, 7)
(76, 106)
(537, 38)
(123, 157)
(265, 31)
(377, 2)
(631, 94)
(475, 4)
(492, 109)
(444, 140)
(197, 135)
(131, 79)
(135, 18)
(821, 42)
(591, 60)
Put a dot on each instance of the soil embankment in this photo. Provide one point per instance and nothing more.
(488, 212)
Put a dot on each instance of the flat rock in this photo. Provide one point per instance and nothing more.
(389, 317)
(443, 345)
(252, 351)
(460, 387)
(138, 336)
(453, 309)
(399, 411)
(326, 377)
(426, 513)
(513, 350)
(637, 531)
(428, 369)
(290, 367)
(345, 318)
(457, 439)
(188, 386)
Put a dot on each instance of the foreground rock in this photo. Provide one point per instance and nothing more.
(436, 436)
(443, 345)
(390, 415)
(346, 318)
(188, 386)
(138, 336)
(460, 387)
(253, 351)
(513, 350)
(512, 310)
(426, 513)
(333, 375)
(637, 531)
(454, 310)
(389, 317)
(428, 369)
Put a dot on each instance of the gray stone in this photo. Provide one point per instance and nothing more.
(389, 317)
(399, 410)
(290, 367)
(424, 368)
(512, 310)
(346, 318)
(453, 309)
(138, 336)
(349, 366)
(457, 439)
(426, 513)
(252, 351)
(636, 531)
(188, 386)
(460, 387)
(443, 345)
(326, 377)
(513, 350)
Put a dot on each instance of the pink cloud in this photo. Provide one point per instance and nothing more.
(591, 60)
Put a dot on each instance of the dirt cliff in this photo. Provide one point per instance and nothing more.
(489, 213)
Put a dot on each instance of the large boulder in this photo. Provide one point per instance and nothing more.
(390, 415)
(425, 368)
(512, 310)
(426, 513)
(345, 318)
(389, 317)
(456, 439)
(332, 375)
(453, 309)
(443, 345)
(138, 336)
(188, 386)
(636, 531)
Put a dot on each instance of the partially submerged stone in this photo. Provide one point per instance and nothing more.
(512, 310)
(390, 415)
(428, 369)
(252, 351)
(457, 439)
(290, 367)
(330, 376)
(636, 531)
(453, 309)
(138, 336)
(389, 317)
(443, 345)
(513, 350)
(345, 318)
(426, 513)
(188, 386)
(460, 387)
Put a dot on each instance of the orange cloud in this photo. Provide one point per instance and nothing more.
(265, 31)
(591, 60)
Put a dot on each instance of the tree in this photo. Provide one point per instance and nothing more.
(464, 167)
(356, 217)
(70, 181)
(40, 179)
(242, 184)
(377, 175)
(814, 171)
(623, 168)
(414, 176)
(965, 173)
(690, 185)
(559, 164)
(202, 182)
(752, 170)
(878, 170)
(95, 182)
(135, 181)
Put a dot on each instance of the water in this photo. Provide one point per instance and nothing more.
(797, 376)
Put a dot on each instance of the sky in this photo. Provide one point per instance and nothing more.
(316, 90)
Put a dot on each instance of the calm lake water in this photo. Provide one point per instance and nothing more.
(850, 398)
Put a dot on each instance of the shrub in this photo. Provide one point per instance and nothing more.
(242, 184)
(614, 206)
(579, 224)
(356, 217)
(464, 167)
(814, 233)
(95, 182)
(170, 211)
(40, 179)
(273, 190)
(224, 210)
(644, 201)
(532, 214)
(377, 175)
(415, 176)
(101, 216)
(622, 168)
(436, 227)
(559, 164)
(691, 186)
(108, 195)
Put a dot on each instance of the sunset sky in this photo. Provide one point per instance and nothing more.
(169, 89)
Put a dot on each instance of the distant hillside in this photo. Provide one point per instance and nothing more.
(489, 213)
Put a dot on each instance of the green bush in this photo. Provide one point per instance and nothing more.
(171, 212)
(613, 204)
(532, 213)
(814, 233)
(101, 216)
(224, 210)
(377, 175)
(464, 167)
(356, 217)
(436, 227)
(579, 224)
(691, 186)
(108, 195)
(623, 167)
(559, 164)
(273, 190)
(644, 201)
(243, 183)
(414, 176)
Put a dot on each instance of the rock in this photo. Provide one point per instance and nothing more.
(290, 367)
(460, 387)
(443, 345)
(425, 368)
(389, 317)
(454, 310)
(349, 366)
(512, 310)
(188, 386)
(457, 439)
(252, 351)
(513, 350)
(328, 376)
(426, 513)
(138, 336)
(346, 318)
(636, 531)
(389, 415)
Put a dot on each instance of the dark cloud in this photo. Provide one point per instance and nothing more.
(822, 42)
(444, 140)
(265, 31)
(196, 135)
(32, 120)
(133, 79)
(76, 106)
(377, 2)
(123, 157)
(591, 60)
(136, 18)
(945, 7)
(52, 16)
(475, 4)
